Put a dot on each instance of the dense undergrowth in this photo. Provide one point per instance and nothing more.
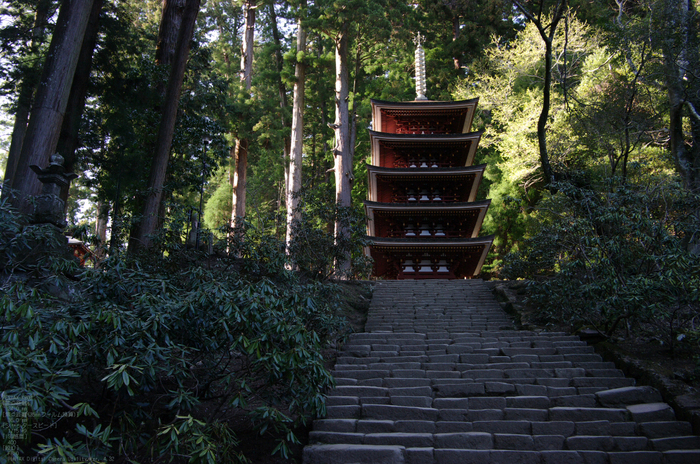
(152, 360)
(622, 259)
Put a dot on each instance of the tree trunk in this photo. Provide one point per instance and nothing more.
(544, 114)
(297, 142)
(286, 147)
(116, 221)
(51, 99)
(455, 35)
(240, 155)
(342, 151)
(547, 33)
(168, 31)
(166, 128)
(246, 72)
(68, 140)
(679, 47)
(25, 96)
(101, 230)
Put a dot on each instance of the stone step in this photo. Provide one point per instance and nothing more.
(441, 377)
(676, 443)
(665, 429)
(650, 412)
(353, 454)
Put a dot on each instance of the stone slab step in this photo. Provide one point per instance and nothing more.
(441, 377)
(665, 429)
(353, 454)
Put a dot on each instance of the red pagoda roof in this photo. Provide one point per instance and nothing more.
(457, 184)
(448, 220)
(401, 258)
(442, 117)
(459, 147)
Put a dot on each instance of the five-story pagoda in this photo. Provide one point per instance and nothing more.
(423, 220)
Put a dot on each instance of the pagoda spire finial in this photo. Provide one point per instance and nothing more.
(420, 67)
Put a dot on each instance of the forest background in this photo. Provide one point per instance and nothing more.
(243, 124)
(617, 87)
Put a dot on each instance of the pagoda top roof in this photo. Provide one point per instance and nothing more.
(463, 109)
(427, 104)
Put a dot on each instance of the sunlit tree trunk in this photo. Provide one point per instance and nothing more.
(240, 153)
(537, 14)
(101, 229)
(342, 151)
(51, 99)
(297, 139)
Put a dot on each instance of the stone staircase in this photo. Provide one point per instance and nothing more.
(441, 377)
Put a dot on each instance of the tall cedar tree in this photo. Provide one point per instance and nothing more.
(297, 139)
(342, 153)
(27, 88)
(51, 100)
(282, 90)
(340, 20)
(166, 128)
(679, 26)
(240, 149)
(68, 140)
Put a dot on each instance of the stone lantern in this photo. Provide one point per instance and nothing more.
(49, 207)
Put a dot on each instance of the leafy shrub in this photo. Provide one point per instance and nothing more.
(314, 248)
(150, 361)
(616, 257)
(29, 250)
(255, 246)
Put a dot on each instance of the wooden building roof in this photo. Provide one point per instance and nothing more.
(458, 147)
(469, 216)
(390, 116)
(466, 256)
(467, 179)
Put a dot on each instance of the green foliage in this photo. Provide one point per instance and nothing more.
(256, 245)
(604, 118)
(616, 256)
(144, 361)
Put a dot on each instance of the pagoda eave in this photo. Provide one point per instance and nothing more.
(442, 171)
(416, 207)
(471, 215)
(465, 143)
(398, 258)
(469, 177)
